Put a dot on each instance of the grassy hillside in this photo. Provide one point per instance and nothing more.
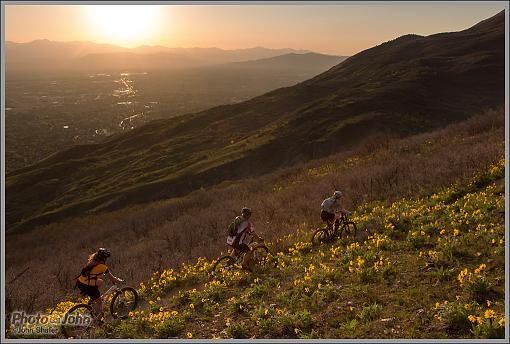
(405, 86)
(424, 267)
(159, 235)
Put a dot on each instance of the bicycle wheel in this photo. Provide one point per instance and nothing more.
(320, 236)
(260, 254)
(223, 263)
(350, 229)
(123, 302)
(77, 321)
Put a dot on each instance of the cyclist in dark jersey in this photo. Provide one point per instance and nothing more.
(90, 282)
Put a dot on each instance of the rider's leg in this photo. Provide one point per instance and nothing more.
(330, 226)
(98, 303)
(247, 258)
(248, 254)
(337, 224)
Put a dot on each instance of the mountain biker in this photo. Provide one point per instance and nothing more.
(239, 230)
(90, 283)
(329, 207)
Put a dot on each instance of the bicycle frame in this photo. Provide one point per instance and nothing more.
(238, 255)
(342, 219)
(111, 290)
(107, 293)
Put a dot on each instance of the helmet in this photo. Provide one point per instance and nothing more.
(103, 253)
(246, 211)
(337, 194)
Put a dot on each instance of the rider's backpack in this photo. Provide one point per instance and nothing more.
(85, 271)
(232, 228)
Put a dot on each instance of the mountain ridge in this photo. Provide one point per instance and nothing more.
(402, 86)
(44, 53)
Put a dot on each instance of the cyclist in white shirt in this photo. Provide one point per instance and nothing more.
(329, 207)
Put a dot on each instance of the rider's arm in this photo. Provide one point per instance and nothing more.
(259, 238)
(253, 233)
(113, 278)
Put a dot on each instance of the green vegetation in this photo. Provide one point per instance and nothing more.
(451, 285)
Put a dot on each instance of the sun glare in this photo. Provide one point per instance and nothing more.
(124, 24)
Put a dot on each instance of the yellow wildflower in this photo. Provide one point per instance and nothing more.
(489, 313)
(480, 269)
(189, 335)
(462, 275)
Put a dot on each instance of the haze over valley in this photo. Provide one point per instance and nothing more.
(62, 94)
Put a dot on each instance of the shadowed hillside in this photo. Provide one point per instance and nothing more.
(404, 86)
(428, 260)
(152, 236)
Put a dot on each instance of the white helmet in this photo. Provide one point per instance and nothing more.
(337, 194)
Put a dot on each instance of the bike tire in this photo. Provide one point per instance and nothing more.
(319, 236)
(259, 253)
(350, 229)
(129, 305)
(224, 262)
(68, 331)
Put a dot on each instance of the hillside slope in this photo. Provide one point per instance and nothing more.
(163, 234)
(426, 267)
(404, 86)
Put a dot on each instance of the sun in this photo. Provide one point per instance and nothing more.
(124, 24)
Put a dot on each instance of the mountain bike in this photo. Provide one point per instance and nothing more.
(80, 319)
(234, 257)
(342, 225)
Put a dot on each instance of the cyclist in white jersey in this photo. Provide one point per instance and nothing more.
(329, 207)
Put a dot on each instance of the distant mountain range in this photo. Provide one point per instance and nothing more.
(295, 61)
(408, 85)
(45, 54)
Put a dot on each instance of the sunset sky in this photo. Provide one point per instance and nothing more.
(335, 28)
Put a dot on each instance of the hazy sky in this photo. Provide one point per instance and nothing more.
(335, 28)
